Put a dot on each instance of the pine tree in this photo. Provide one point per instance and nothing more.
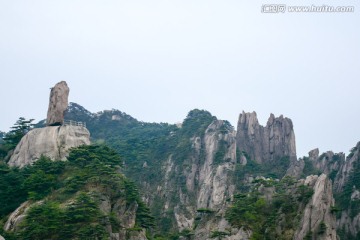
(20, 128)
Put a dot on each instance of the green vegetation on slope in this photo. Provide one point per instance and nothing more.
(145, 147)
(274, 170)
(273, 218)
(70, 194)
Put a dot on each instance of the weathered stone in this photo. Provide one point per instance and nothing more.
(58, 103)
(125, 214)
(213, 175)
(16, 217)
(265, 144)
(314, 154)
(250, 136)
(296, 168)
(317, 218)
(328, 162)
(346, 169)
(348, 221)
(208, 178)
(53, 142)
(137, 235)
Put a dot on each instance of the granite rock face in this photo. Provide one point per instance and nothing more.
(214, 181)
(265, 144)
(17, 217)
(296, 168)
(314, 154)
(350, 218)
(317, 220)
(124, 213)
(207, 183)
(58, 103)
(346, 169)
(328, 163)
(53, 142)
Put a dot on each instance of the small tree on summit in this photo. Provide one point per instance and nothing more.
(20, 128)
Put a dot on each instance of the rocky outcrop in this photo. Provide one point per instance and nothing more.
(203, 182)
(250, 136)
(16, 217)
(58, 103)
(265, 144)
(182, 183)
(314, 154)
(209, 225)
(296, 168)
(53, 142)
(213, 180)
(206, 175)
(126, 216)
(318, 221)
(327, 162)
(215, 183)
(345, 181)
(346, 168)
(340, 171)
(124, 213)
(350, 224)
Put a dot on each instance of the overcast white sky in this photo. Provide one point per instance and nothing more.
(157, 60)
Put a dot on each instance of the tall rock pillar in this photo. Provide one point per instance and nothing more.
(266, 144)
(55, 140)
(58, 103)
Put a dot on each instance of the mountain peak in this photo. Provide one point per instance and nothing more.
(268, 143)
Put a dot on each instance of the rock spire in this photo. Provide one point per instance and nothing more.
(58, 103)
(269, 143)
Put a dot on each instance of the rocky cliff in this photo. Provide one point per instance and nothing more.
(199, 167)
(266, 144)
(190, 175)
(347, 191)
(346, 169)
(207, 183)
(205, 179)
(53, 142)
(328, 163)
(296, 168)
(58, 103)
(18, 216)
(318, 221)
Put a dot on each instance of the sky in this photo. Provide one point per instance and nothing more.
(157, 60)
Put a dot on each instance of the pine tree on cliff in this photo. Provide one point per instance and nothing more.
(20, 128)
